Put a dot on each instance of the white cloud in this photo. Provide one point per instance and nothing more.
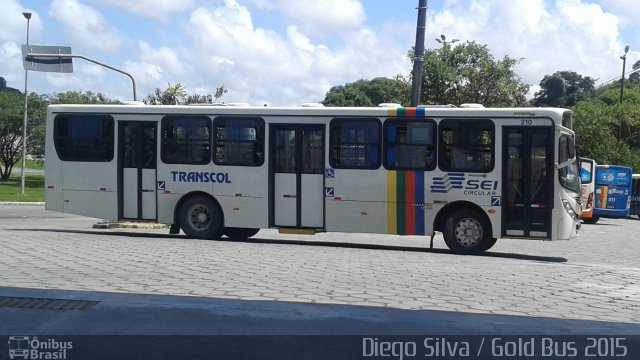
(156, 67)
(13, 33)
(261, 66)
(573, 35)
(85, 25)
(159, 9)
(323, 17)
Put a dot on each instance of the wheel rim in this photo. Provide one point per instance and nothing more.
(199, 217)
(468, 232)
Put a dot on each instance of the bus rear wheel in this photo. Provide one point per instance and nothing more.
(467, 233)
(201, 218)
(240, 233)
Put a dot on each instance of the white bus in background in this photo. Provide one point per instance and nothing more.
(474, 174)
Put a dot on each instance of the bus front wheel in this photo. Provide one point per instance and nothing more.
(466, 232)
(201, 218)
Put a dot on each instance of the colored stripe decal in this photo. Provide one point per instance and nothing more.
(605, 195)
(409, 206)
(407, 112)
(391, 203)
(419, 203)
(400, 191)
(405, 202)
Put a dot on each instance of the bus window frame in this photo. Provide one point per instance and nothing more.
(335, 123)
(63, 143)
(258, 150)
(431, 160)
(466, 124)
(163, 141)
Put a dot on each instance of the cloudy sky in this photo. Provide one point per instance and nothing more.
(287, 52)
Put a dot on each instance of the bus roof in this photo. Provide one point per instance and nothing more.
(381, 111)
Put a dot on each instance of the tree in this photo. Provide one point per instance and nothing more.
(177, 95)
(610, 134)
(564, 89)
(468, 73)
(634, 77)
(78, 97)
(369, 92)
(11, 117)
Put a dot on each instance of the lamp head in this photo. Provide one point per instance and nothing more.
(626, 49)
(27, 15)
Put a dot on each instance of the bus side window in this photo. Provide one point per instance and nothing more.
(409, 144)
(186, 140)
(467, 145)
(238, 141)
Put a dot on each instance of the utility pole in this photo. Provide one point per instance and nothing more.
(419, 53)
(624, 62)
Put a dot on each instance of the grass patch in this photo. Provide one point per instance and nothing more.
(33, 188)
(33, 164)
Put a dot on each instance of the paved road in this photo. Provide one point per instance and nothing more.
(544, 285)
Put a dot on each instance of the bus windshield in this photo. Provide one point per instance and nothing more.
(569, 174)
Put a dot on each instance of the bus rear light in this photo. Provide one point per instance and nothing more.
(50, 187)
(491, 211)
(167, 192)
(337, 198)
(103, 189)
(238, 194)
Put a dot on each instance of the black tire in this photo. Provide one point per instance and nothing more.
(489, 244)
(591, 220)
(466, 232)
(240, 233)
(201, 218)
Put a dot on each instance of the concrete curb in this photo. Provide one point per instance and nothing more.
(128, 225)
(18, 203)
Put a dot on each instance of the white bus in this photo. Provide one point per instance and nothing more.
(474, 174)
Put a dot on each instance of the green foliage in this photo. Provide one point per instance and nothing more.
(78, 97)
(634, 77)
(369, 92)
(468, 73)
(564, 89)
(609, 134)
(177, 95)
(610, 95)
(11, 118)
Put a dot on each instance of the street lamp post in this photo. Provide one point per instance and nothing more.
(27, 16)
(624, 62)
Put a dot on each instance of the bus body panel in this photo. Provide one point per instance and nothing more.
(405, 202)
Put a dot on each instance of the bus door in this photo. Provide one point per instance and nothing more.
(527, 173)
(137, 153)
(297, 175)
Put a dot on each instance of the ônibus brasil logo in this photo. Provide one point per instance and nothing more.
(25, 347)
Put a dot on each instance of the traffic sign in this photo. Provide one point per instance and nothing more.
(47, 58)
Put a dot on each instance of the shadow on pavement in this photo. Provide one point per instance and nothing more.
(257, 240)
